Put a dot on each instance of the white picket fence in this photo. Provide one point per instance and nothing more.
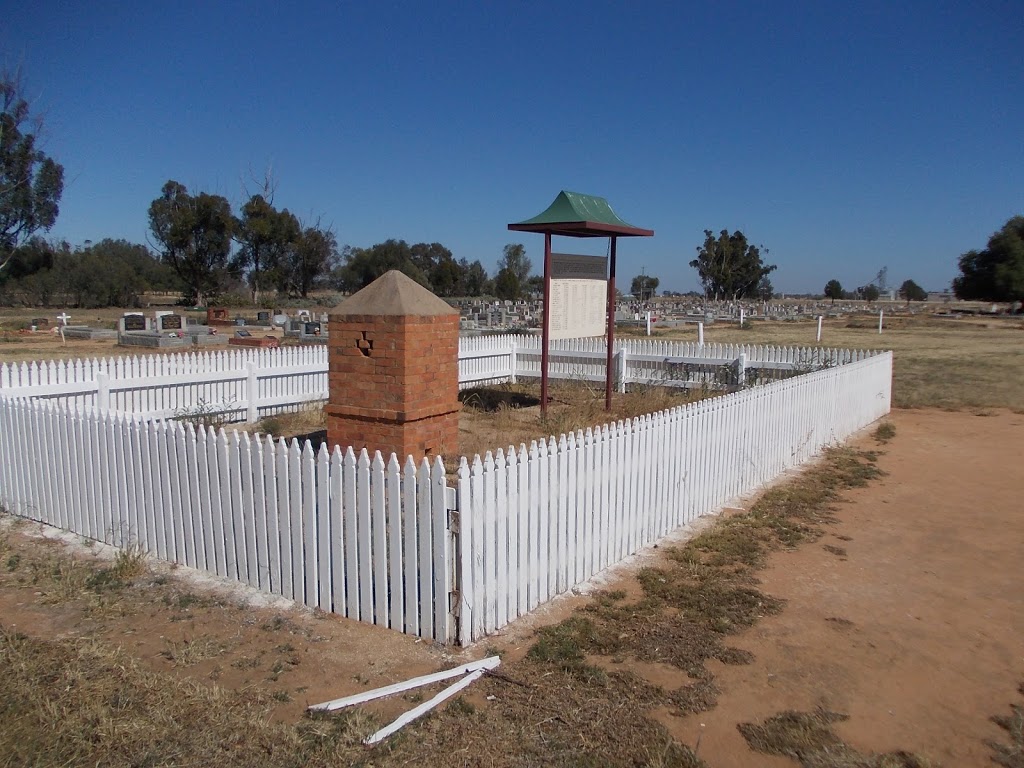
(496, 359)
(535, 522)
(393, 545)
(349, 535)
(247, 384)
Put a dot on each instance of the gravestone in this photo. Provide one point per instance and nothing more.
(243, 334)
(217, 316)
(312, 329)
(263, 318)
(134, 322)
(171, 322)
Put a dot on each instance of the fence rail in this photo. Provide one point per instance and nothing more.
(247, 384)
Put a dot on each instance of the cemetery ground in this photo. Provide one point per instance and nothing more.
(869, 604)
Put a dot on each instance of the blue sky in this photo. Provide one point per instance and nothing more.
(842, 137)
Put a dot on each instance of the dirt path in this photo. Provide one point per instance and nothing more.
(917, 632)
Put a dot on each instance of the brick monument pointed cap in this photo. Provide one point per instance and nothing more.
(394, 293)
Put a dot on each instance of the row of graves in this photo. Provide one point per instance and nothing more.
(172, 330)
(669, 312)
(166, 330)
(478, 316)
(305, 327)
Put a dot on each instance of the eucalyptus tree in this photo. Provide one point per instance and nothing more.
(194, 233)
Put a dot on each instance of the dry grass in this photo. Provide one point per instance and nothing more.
(78, 702)
(1010, 755)
(305, 422)
(884, 432)
(59, 577)
(191, 651)
(808, 737)
(509, 414)
(965, 363)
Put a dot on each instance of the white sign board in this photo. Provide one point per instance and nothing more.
(579, 296)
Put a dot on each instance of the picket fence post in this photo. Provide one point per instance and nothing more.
(251, 393)
(103, 391)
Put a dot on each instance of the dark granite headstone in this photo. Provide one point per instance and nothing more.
(170, 322)
(263, 318)
(134, 323)
(312, 329)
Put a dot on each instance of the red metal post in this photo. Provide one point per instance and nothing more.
(546, 329)
(611, 329)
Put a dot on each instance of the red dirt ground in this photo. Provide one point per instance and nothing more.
(918, 632)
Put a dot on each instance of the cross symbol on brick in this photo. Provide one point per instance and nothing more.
(365, 345)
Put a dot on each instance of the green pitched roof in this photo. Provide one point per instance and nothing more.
(578, 215)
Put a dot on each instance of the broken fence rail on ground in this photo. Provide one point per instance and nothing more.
(470, 673)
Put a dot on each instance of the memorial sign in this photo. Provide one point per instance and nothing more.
(579, 296)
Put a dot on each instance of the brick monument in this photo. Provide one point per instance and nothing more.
(394, 370)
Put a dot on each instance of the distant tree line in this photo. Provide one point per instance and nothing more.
(108, 273)
(909, 290)
(204, 251)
